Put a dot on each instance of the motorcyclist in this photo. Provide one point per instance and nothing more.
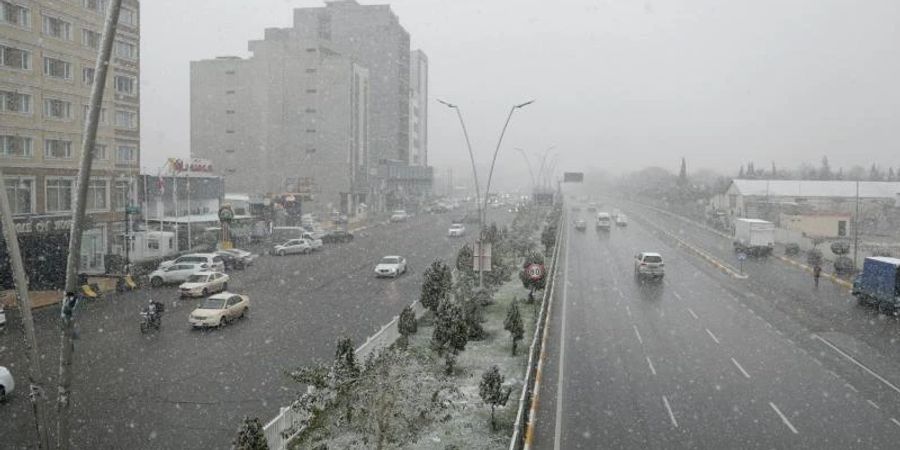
(155, 309)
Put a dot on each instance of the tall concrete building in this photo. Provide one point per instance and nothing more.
(418, 108)
(48, 51)
(291, 118)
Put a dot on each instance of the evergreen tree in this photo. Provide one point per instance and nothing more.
(890, 174)
(407, 325)
(345, 368)
(438, 280)
(465, 260)
(472, 313)
(751, 171)
(774, 171)
(874, 173)
(513, 324)
(450, 333)
(250, 436)
(741, 172)
(492, 391)
(840, 174)
(682, 174)
(528, 283)
(825, 170)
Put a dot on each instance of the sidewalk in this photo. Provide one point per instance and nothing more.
(39, 299)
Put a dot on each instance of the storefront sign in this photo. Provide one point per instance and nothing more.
(194, 165)
(44, 225)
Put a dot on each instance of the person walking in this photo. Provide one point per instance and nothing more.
(817, 273)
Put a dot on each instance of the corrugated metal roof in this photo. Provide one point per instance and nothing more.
(815, 188)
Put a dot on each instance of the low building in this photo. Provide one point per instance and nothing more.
(819, 225)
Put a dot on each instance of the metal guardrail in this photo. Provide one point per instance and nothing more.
(524, 417)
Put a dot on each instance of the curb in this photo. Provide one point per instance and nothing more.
(834, 279)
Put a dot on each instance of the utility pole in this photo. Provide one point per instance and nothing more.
(36, 392)
(856, 228)
(67, 326)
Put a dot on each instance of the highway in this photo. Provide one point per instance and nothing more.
(704, 359)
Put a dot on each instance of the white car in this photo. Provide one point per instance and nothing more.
(246, 258)
(390, 266)
(399, 216)
(456, 230)
(649, 265)
(621, 220)
(292, 246)
(202, 284)
(212, 260)
(7, 383)
(314, 240)
(178, 273)
(219, 309)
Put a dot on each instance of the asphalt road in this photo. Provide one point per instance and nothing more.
(181, 388)
(704, 360)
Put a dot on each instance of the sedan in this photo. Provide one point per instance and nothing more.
(236, 258)
(202, 284)
(177, 273)
(399, 216)
(456, 230)
(337, 236)
(7, 384)
(390, 266)
(292, 246)
(218, 310)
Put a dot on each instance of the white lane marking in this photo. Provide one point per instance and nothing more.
(628, 310)
(895, 421)
(693, 313)
(650, 363)
(783, 418)
(676, 295)
(859, 364)
(874, 405)
(638, 334)
(710, 333)
(738, 365)
(851, 387)
(669, 410)
(557, 441)
(621, 294)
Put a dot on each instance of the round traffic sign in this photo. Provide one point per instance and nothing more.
(535, 271)
(741, 256)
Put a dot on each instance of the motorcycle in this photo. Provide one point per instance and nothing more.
(150, 321)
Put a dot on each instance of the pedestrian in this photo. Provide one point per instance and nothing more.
(817, 272)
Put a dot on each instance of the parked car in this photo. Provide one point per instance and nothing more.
(177, 273)
(390, 266)
(7, 384)
(621, 220)
(649, 265)
(212, 260)
(580, 225)
(239, 258)
(337, 236)
(219, 309)
(456, 230)
(314, 239)
(292, 246)
(202, 284)
(399, 216)
(338, 218)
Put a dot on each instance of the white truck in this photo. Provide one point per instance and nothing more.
(754, 237)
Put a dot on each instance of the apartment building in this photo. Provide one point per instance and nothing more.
(418, 108)
(48, 51)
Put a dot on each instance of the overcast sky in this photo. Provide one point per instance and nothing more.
(618, 84)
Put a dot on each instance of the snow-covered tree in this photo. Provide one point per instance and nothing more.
(436, 285)
(513, 324)
(407, 325)
(250, 436)
(548, 237)
(473, 313)
(528, 283)
(451, 334)
(492, 391)
(465, 260)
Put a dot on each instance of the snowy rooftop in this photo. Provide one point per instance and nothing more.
(813, 188)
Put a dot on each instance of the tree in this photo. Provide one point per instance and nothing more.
(751, 171)
(250, 435)
(741, 172)
(874, 173)
(890, 174)
(774, 171)
(825, 170)
(840, 174)
(548, 237)
(465, 260)
(436, 286)
(527, 282)
(682, 174)
(407, 325)
(492, 391)
(513, 324)
(450, 333)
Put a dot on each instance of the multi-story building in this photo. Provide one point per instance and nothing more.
(292, 118)
(48, 51)
(418, 108)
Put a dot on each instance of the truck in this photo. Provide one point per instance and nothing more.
(754, 236)
(879, 283)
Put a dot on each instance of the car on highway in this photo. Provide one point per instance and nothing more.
(7, 384)
(177, 273)
(337, 236)
(580, 225)
(621, 220)
(202, 284)
(218, 310)
(292, 246)
(576, 208)
(399, 216)
(592, 208)
(390, 266)
(212, 260)
(456, 230)
(604, 221)
(649, 265)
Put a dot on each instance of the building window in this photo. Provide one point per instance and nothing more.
(90, 38)
(58, 28)
(59, 194)
(87, 75)
(57, 149)
(87, 110)
(229, 131)
(126, 50)
(310, 151)
(126, 119)
(229, 111)
(15, 146)
(128, 17)
(120, 195)
(57, 68)
(842, 228)
(311, 91)
(310, 130)
(311, 70)
(126, 153)
(16, 102)
(126, 85)
(15, 58)
(229, 92)
(100, 152)
(16, 15)
(95, 5)
(98, 195)
(229, 150)
(20, 192)
(57, 109)
(229, 72)
(310, 50)
(310, 110)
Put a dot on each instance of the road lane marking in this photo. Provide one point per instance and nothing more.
(874, 405)
(710, 333)
(851, 387)
(638, 334)
(693, 313)
(669, 410)
(676, 295)
(650, 363)
(628, 310)
(895, 421)
(738, 365)
(859, 364)
(557, 438)
(783, 418)
(621, 294)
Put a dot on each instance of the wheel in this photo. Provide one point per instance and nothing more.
(281, 253)
(156, 282)
(222, 322)
(205, 292)
(244, 312)
(144, 327)
(224, 287)
(2, 394)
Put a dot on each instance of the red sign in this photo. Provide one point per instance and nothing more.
(535, 272)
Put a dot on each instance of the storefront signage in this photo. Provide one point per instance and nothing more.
(44, 225)
(194, 165)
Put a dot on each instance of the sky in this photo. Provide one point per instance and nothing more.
(618, 84)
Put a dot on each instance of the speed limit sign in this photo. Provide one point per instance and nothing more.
(535, 271)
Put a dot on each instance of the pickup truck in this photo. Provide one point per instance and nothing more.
(879, 283)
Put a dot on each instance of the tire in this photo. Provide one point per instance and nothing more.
(224, 287)
(2, 394)
(156, 282)
(205, 292)
(145, 327)
(222, 322)
(281, 253)
(244, 312)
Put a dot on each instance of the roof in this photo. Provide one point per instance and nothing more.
(815, 188)
(651, 254)
(746, 220)
(886, 259)
(195, 218)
